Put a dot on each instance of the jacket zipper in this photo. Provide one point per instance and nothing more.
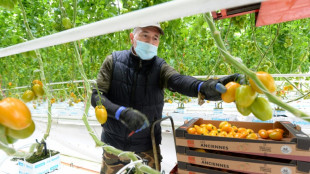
(133, 91)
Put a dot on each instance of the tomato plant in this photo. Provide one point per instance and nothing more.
(245, 96)
(21, 134)
(28, 96)
(38, 90)
(230, 95)
(267, 81)
(101, 114)
(261, 109)
(14, 114)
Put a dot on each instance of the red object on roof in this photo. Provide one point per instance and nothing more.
(277, 11)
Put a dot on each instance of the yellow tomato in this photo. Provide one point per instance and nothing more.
(267, 81)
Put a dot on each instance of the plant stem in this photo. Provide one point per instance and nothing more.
(46, 90)
(270, 46)
(240, 66)
(298, 98)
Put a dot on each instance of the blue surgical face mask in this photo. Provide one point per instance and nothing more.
(145, 50)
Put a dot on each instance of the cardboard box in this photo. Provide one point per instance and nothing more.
(187, 168)
(44, 166)
(294, 146)
(244, 164)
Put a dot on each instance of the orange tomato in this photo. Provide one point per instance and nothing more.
(252, 136)
(244, 134)
(213, 133)
(222, 134)
(14, 114)
(198, 129)
(241, 129)
(267, 81)
(231, 133)
(237, 135)
(249, 131)
(210, 127)
(276, 135)
(227, 127)
(234, 128)
(263, 133)
(37, 82)
(191, 130)
(230, 136)
(229, 95)
(278, 130)
(270, 131)
(222, 124)
(200, 150)
(205, 131)
(203, 125)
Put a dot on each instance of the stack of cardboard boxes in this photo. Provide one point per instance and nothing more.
(236, 155)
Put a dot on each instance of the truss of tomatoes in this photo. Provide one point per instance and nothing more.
(35, 91)
(15, 121)
(246, 98)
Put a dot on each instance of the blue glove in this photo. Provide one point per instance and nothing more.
(213, 88)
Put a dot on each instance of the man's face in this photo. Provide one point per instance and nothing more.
(147, 34)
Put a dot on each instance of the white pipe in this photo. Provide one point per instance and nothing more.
(158, 13)
(273, 75)
(198, 77)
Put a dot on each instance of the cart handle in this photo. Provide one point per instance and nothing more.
(153, 138)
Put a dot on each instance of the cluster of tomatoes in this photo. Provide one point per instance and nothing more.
(15, 121)
(225, 129)
(35, 91)
(246, 98)
(73, 98)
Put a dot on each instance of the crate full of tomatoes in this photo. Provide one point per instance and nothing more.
(243, 147)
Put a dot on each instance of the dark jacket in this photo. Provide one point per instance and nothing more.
(128, 81)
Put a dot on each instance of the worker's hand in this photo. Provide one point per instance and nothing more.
(134, 119)
(213, 88)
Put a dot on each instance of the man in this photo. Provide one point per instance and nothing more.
(131, 82)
